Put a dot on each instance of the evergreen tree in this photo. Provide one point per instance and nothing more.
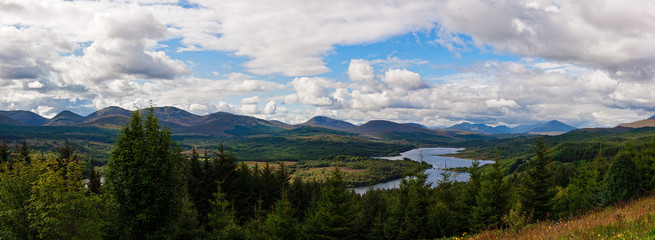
(538, 194)
(23, 152)
(334, 216)
(5, 153)
(472, 190)
(222, 219)
(281, 222)
(144, 179)
(491, 200)
(622, 180)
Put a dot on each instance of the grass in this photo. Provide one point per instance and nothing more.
(632, 220)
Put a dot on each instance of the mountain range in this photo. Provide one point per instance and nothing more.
(228, 124)
(553, 127)
(215, 124)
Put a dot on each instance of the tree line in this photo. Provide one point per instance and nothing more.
(152, 191)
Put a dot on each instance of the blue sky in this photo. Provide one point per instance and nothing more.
(437, 63)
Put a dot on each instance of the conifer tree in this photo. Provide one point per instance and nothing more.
(281, 222)
(491, 200)
(144, 179)
(23, 152)
(222, 219)
(334, 216)
(538, 194)
(5, 152)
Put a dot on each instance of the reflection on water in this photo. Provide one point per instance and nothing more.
(430, 156)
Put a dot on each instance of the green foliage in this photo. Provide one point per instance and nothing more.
(5, 153)
(490, 201)
(622, 180)
(60, 209)
(281, 223)
(538, 194)
(368, 171)
(40, 202)
(334, 216)
(222, 219)
(144, 179)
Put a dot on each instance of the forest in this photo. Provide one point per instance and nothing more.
(150, 190)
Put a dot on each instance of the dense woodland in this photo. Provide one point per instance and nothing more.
(152, 191)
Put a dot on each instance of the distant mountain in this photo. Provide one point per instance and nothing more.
(650, 122)
(326, 122)
(416, 124)
(481, 128)
(525, 128)
(25, 117)
(9, 121)
(65, 118)
(228, 124)
(106, 112)
(554, 127)
(177, 116)
(379, 127)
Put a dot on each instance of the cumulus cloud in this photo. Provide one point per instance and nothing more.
(403, 78)
(609, 35)
(291, 37)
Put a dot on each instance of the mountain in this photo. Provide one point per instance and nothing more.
(481, 128)
(228, 124)
(416, 124)
(379, 127)
(9, 121)
(525, 128)
(650, 122)
(25, 117)
(65, 118)
(326, 122)
(552, 127)
(108, 111)
(177, 116)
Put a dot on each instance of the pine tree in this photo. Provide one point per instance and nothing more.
(491, 200)
(222, 219)
(334, 216)
(5, 153)
(144, 179)
(281, 223)
(538, 194)
(23, 152)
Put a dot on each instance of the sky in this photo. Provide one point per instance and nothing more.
(588, 63)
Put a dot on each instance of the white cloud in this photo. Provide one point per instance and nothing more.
(610, 35)
(403, 78)
(313, 91)
(360, 70)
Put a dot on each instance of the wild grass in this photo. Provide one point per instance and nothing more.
(630, 220)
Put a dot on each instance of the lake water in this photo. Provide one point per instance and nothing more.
(430, 156)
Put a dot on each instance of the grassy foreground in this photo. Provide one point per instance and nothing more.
(632, 220)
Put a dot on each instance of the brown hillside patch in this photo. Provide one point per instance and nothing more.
(633, 220)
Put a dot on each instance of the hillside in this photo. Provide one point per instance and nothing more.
(65, 118)
(377, 127)
(650, 122)
(8, 121)
(326, 122)
(633, 220)
(482, 128)
(25, 117)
